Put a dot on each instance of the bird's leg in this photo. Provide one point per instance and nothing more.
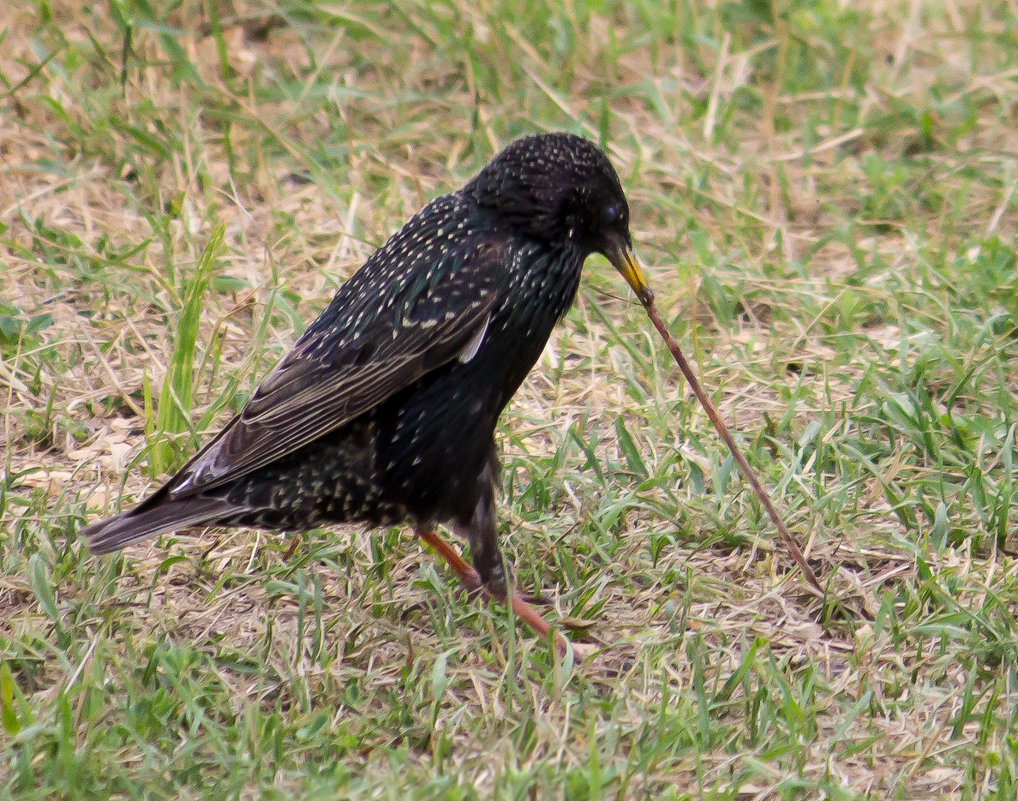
(471, 578)
(482, 534)
(495, 586)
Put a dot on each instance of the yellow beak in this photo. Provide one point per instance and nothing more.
(622, 259)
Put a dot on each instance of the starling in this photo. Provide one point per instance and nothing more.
(384, 411)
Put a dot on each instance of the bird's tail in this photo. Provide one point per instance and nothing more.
(147, 520)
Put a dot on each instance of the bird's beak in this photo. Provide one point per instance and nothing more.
(620, 254)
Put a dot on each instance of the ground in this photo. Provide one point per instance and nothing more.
(824, 196)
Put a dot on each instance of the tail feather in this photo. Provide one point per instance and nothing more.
(146, 520)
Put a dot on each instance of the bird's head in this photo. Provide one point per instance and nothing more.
(560, 188)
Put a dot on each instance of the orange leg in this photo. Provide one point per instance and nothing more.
(472, 580)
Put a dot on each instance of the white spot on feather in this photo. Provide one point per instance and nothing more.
(474, 345)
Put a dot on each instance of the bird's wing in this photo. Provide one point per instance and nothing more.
(342, 367)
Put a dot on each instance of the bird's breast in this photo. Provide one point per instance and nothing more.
(437, 435)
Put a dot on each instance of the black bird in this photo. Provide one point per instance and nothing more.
(385, 409)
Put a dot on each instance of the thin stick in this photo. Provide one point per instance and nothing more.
(647, 299)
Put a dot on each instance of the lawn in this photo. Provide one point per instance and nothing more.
(823, 194)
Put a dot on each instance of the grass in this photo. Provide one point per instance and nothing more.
(824, 195)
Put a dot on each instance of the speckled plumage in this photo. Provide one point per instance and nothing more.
(385, 409)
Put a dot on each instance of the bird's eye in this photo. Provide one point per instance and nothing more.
(610, 214)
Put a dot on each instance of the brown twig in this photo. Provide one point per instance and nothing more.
(647, 299)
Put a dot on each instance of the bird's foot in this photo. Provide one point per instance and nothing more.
(525, 612)
(497, 589)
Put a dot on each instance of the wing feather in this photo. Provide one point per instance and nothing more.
(336, 371)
